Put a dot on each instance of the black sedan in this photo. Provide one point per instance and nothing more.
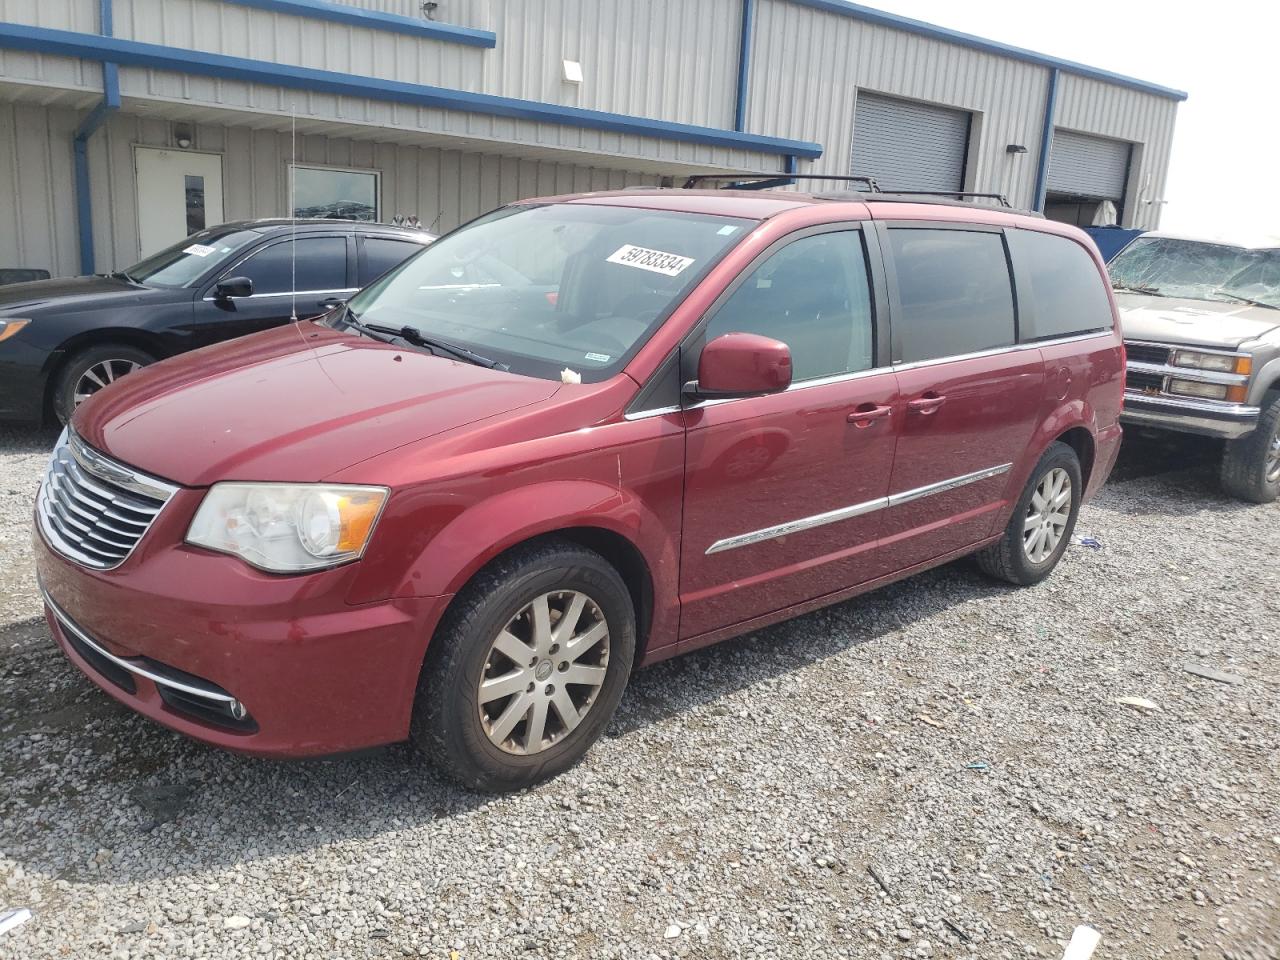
(62, 340)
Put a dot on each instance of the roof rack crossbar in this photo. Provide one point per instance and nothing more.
(763, 181)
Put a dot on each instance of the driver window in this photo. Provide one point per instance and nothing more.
(814, 296)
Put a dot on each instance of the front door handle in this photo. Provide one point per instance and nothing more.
(927, 404)
(864, 415)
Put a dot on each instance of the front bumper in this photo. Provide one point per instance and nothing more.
(1210, 418)
(263, 665)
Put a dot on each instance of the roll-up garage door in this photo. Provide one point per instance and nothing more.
(909, 146)
(1083, 166)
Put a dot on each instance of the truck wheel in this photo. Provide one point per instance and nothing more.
(1042, 522)
(527, 668)
(89, 371)
(1251, 464)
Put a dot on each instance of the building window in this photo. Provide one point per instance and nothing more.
(329, 193)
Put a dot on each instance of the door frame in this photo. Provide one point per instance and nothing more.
(137, 186)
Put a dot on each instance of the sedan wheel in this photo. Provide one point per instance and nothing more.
(543, 672)
(1047, 515)
(99, 375)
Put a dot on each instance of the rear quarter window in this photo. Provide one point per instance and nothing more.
(1067, 292)
(954, 291)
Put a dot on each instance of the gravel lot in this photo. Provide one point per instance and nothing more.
(958, 739)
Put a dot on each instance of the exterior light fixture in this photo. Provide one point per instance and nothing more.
(1015, 148)
(572, 71)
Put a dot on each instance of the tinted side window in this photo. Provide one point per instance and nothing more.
(322, 265)
(814, 296)
(1068, 294)
(381, 254)
(955, 292)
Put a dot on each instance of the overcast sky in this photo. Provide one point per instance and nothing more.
(1224, 179)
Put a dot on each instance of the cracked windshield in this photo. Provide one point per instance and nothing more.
(1167, 267)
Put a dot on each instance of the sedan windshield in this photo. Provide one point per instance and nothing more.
(1168, 267)
(1259, 282)
(559, 291)
(189, 259)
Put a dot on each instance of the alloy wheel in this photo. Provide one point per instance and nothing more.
(1273, 458)
(1047, 515)
(543, 672)
(99, 375)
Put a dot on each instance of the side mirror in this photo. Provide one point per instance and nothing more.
(741, 365)
(233, 287)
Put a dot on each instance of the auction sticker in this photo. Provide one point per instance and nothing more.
(199, 250)
(642, 258)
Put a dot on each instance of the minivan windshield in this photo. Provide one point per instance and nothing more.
(1169, 267)
(552, 288)
(189, 259)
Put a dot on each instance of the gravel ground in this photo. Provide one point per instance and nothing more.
(959, 740)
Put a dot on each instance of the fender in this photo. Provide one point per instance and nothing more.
(1265, 379)
(1070, 413)
(451, 557)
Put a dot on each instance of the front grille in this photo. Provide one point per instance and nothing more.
(1146, 353)
(94, 510)
(1144, 382)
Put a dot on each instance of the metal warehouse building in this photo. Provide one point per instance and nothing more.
(126, 124)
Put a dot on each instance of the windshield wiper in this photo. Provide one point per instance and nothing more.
(1125, 288)
(435, 345)
(1236, 296)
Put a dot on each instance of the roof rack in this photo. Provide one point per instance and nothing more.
(764, 181)
(1000, 198)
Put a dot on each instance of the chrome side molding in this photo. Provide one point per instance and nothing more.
(856, 510)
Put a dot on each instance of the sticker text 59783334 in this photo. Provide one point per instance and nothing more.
(642, 258)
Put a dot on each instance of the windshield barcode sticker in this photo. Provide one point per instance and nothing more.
(199, 250)
(642, 258)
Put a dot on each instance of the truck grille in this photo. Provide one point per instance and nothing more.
(1146, 353)
(1144, 382)
(94, 510)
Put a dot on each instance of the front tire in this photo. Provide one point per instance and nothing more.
(526, 669)
(1251, 464)
(89, 371)
(1042, 523)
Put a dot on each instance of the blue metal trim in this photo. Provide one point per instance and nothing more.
(920, 28)
(80, 143)
(66, 43)
(1046, 141)
(376, 20)
(789, 165)
(744, 65)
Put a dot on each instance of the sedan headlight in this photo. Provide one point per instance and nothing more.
(10, 326)
(288, 527)
(1216, 362)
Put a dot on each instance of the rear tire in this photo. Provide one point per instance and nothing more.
(1251, 464)
(88, 371)
(1043, 521)
(523, 628)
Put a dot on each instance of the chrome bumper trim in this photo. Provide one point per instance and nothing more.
(1217, 409)
(856, 510)
(70, 626)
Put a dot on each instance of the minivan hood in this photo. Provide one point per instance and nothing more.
(71, 293)
(1200, 323)
(297, 403)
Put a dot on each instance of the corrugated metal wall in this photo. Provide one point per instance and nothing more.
(809, 65)
(37, 215)
(37, 206)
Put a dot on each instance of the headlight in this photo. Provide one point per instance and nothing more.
(10, 326)
(1217, 362)
(1194, 388)
(288, 527)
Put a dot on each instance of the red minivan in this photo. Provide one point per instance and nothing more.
(574, 436)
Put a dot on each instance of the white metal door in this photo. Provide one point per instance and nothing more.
(1084, 166)
(909, 146)
(179, 193)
